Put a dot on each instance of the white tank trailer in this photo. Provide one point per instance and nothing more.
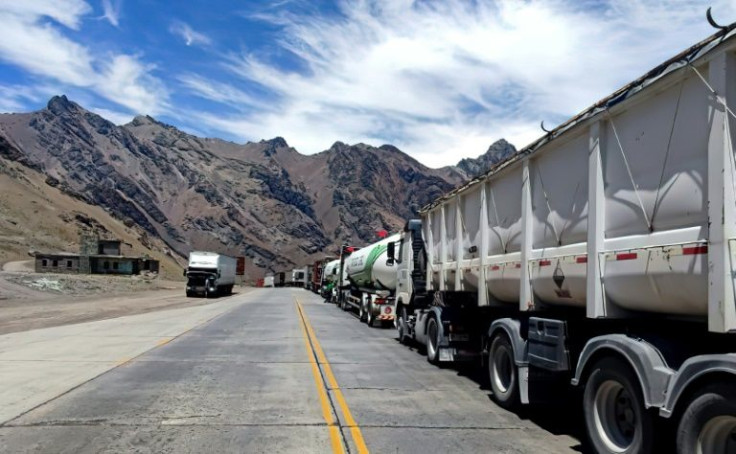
(602, 255)
(372, 278)
(210, 274)
(329, 279)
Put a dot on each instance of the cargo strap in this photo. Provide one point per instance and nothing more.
(667, 153)
(549, 207)
(498, 221)
(726, 123)
(628, 169)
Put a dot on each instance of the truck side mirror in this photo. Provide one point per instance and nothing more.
(391, 253)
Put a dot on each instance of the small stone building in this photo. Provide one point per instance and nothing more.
(96, 257)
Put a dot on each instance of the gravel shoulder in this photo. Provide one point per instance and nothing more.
(32, 301)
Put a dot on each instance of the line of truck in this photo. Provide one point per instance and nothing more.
(602, 255)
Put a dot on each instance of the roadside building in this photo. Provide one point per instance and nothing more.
(96, 257)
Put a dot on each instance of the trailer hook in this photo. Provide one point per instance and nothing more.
(713, 22)
(541, 125)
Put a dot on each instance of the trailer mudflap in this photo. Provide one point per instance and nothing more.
(547, 344)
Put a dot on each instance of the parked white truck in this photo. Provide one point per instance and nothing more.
(602, 254)
(268, 281)
(372, 279)
(210, 274)
(299, 277)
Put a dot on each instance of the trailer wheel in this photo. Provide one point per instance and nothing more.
(433, 340)
(502, 371)
(615, 418)
(708, 425)
(401, 325)
(370, 319)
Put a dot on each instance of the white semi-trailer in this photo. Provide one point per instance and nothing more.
(269, 281)
(210, 274)
(299, 277)
(603, 254)
(372, 279)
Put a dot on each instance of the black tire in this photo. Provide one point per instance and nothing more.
(708, 424)
(615, 418)
(401, 325)
(190, 294)
(370, 319)
(433, 340)
(503, 374)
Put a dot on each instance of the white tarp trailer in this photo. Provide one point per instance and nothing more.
(602, 253)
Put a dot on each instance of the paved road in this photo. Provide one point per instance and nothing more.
(271, 375)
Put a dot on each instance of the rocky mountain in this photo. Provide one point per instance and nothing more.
(497, 152)
(263, 200)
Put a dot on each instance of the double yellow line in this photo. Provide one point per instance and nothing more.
(317, 358)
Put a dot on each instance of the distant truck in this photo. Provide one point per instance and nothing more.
(299, 277)
(268, 281)
(372, 280)
(315, 280)
(210, 274)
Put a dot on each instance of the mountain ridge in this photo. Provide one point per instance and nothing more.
(264, 200)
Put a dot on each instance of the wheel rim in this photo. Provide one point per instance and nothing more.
(718, 436)
(503, 369)
(615, 416)
(432, 334)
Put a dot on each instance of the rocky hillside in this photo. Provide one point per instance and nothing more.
(263, 200)
(497, 152)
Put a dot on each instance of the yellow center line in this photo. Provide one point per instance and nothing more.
(349, 420)
(334, 431)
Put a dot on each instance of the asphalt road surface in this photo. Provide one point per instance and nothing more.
(281, 371)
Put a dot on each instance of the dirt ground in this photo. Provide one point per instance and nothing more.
(31, 301)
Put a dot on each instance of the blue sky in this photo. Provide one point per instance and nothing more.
(441, 80)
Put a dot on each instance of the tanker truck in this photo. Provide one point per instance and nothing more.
(329, 280)
(601, 255)
(372, 279)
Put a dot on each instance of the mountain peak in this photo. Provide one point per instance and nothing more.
(497, 152)
(276, 142)
(389, 147)
(59, 105)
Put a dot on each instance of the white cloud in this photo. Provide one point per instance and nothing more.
(111, 11)
(36, 44)
(119, 118)
(189, 35)
(443, 80)
(220, 92)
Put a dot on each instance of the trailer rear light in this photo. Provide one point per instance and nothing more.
(545, 262)
(626, 256)
(495, 268)
(695, 250)
(581, 260)
(379, 301)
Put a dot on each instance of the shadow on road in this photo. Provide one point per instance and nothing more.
(560, 415)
